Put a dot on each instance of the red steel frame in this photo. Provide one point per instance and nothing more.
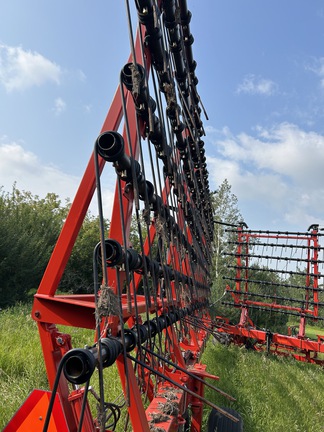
(50, 309)
(300, 347)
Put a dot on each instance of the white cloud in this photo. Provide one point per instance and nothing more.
(87, 108)
(59, 106)
(256, 86)
(20, 69)
(82, 76)
(25, 168)
(278, 170)
(249, 185)
(317, 67)
(29, 173)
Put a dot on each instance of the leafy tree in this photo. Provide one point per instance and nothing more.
(134, 235)
(266, 283)
(29, 227)
(299, 280)
(140, 228)
(227, 217)
(78, 275)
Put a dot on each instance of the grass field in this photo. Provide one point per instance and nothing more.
(311, 331)
(273, 394)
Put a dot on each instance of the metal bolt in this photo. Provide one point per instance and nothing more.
(60, 340)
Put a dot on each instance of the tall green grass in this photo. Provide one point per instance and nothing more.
(21, 361)
(273, 394)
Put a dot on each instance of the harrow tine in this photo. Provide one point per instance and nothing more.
(190, 374)
(185, 389)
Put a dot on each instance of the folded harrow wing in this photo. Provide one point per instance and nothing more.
(275, 273)
(149, 293)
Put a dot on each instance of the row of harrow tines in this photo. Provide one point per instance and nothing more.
(150, 305)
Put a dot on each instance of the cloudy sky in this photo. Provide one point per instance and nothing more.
(261, 79)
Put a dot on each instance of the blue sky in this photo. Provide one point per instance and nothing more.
(261, 79)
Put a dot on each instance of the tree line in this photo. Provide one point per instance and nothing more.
(29, 229)
(30, 226)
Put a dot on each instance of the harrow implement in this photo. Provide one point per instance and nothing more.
(151, 295)
(277, 273)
